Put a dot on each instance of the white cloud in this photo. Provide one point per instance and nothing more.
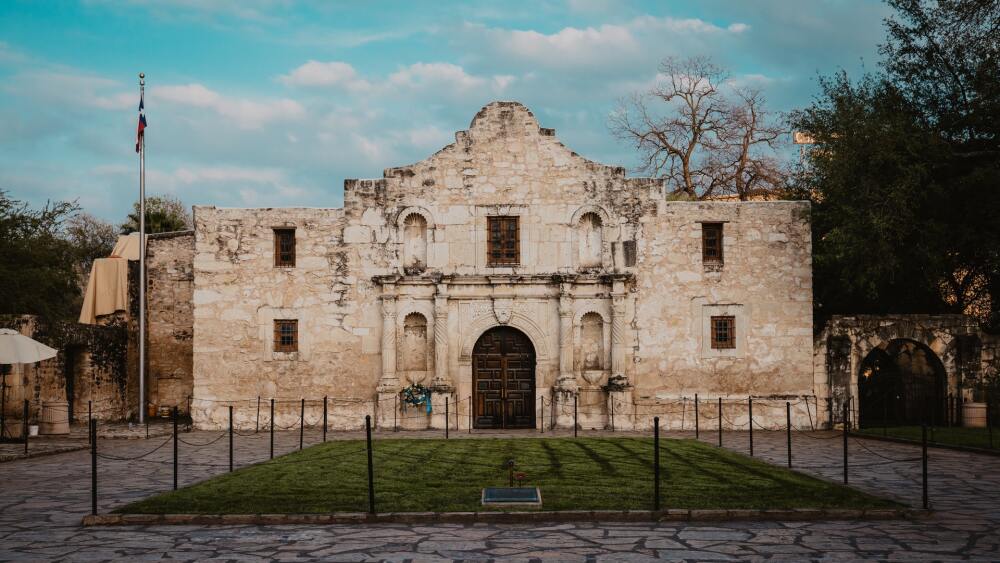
(246, 113)
(333, 73)
(607, 44)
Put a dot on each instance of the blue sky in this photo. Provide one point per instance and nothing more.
(275, 102)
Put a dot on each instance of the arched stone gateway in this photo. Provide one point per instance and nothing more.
(503, 379)
(901, 382)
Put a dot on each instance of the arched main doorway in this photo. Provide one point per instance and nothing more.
(901, 382)
(503, 379)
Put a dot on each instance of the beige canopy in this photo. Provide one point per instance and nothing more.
(107, 288)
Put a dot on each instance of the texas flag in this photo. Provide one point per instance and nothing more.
(142, 125)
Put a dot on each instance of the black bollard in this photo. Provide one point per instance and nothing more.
(788, 430)
(847, 425)
(271, 424)
(256, 427)
(470, 414)
(92, 432)
(230, 438)
(371, 471)
(923, 445)
(750, 419)
(324, 418)
(720, 422)
(656, 463)
(90, 417)
(395, 409)
(447, 417)
(175, 447)
(302, 423)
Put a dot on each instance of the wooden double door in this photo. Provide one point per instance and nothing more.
(503, 379)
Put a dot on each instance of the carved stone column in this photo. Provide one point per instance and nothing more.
(442, 388)
(566, 380)
(441, 375)
(566, 387)
(619, 389)
(618, 344)
(388, 384)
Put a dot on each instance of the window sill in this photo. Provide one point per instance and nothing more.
(285, 356)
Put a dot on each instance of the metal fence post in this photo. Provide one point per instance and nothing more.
(175, 448)
(395, 409)
(271, 424)
(256, 428)
(923, 445)
(447, 417)
(847, 425)
(720, 422)
(324, 418)
(656, 463)
(576, 423)
(24, 426)
(612, 413)
(697, 423)
(302, 423)
(788, 431)
(989, 422)
(543, 415)
(470, 414)
(371, 471)
(750, 419)
(230, 438)
(92, 432)
(90, 417)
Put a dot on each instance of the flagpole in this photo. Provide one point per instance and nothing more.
(142, 264)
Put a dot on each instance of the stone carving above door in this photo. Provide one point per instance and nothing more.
(503, 308)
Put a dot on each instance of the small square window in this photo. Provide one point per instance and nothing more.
(284, 248)
(723, 333)
(711, 243)
(502, 242)
(286, 335)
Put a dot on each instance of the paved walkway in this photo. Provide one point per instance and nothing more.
(43, 499)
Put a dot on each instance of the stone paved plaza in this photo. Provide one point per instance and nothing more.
(43, 500)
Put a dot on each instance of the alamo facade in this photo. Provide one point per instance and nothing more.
(518, 284)
(508, 273)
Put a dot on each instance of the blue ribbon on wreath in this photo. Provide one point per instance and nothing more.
(417, 395)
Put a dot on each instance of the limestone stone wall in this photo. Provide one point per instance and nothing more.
(238, 293)
(170, 318)
(764, 282)
(395, 288)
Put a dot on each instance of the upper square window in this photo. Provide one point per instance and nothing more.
(503, 241)
(284, 248)
(711, 243)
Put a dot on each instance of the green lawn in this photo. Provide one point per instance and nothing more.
(955, 436)
(448, 475)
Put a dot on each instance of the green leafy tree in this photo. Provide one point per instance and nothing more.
(164, 214)
(38, 264)
(905, 173)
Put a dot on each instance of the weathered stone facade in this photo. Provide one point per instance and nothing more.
(610, 286)
(170, 317)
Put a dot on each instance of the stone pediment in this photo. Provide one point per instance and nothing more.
(508, 130)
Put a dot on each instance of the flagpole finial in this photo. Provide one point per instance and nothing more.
(142, 78)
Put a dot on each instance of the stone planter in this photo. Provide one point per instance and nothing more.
(974, 415)
(55, 418)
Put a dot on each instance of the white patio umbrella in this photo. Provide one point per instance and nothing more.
(16, 348)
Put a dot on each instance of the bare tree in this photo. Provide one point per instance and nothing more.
(707, 138)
